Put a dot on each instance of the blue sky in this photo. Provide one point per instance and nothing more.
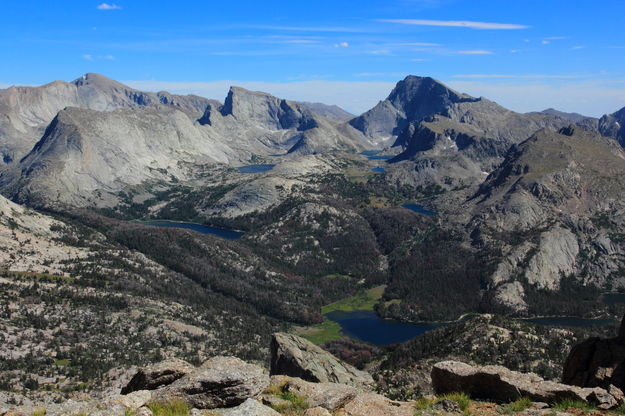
(526, 55)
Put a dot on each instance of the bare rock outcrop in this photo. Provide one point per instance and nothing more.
(219, 382)
(158, 375)
(296, 357)
(499, 384)
(597, 362)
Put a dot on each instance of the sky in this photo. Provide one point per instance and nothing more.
(526, 55)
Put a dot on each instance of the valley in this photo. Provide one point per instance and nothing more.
(145, 224)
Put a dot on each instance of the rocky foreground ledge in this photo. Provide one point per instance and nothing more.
(305, 380)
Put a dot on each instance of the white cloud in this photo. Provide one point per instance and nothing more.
(341, 45)
(457, 23)
(475, 52)
(91, 58)
(106, 6)
(417, 44)
(378, 52)
(382, 74)
(556, 37)
(545, 42)
(418, 60)
(305, 28)
(521, 76)
(575, 48)
(514, 51)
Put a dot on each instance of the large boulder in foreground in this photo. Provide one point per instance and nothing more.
(219, 382)
(158, 375)
(497, 383)
(597, 362)
(296, 357)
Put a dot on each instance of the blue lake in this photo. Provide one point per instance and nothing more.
(369, 327)
(255, 168)
(378, 170)
(613, 298)
(370, 152)
(200, 228)
(419, 209)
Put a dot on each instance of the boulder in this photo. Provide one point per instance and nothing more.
(158, 375)
(330, 396)
(219, 382)
(296, 357)
(368, 404)
(597, 362)
(250, 407)
(499, 384)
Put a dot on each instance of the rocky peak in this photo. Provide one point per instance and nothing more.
(418, 97)
(412, 100)
(613, 125)
(265, 110)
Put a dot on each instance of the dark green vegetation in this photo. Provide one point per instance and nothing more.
(483, 340)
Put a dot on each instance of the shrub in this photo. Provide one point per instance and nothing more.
(463, 400)
(567, 404)
(518, 405)
(172, 408)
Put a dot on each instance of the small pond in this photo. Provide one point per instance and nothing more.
(200, 228)
(369, 327)
(378, 170)
(255, 168)
(419, 209)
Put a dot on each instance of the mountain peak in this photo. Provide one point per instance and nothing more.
(412, 100)
(94, 79)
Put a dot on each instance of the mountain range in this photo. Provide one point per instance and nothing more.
(441, 203)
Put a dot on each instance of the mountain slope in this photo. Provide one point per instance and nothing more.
(555, 210)
(613, 125)
(25, 112)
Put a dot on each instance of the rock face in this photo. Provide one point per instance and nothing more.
(158, 375)
(219, 382)
(552, 187)
(502, 385)
(83, 146)
(296, 357)
(613, 125)
(597, 362)
(26, 111)
(412, 99)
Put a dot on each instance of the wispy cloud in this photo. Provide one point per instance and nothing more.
(381, 74)
(475, 52)
(354, 96)
(341, 45)
(592, 98)
(106, 6)
(424, 44)
(457, 23)
(337, 29)
(418, 60)
(582, 96)
(89, 57)
(574, 48)
(521, 76)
